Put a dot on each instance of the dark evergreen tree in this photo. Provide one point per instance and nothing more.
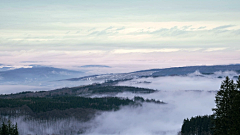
(238, 83)
(235, 111)
(15, 130)
(226, 117)
(9, 129)
(4, 129)
(224, 112)
(200, 125)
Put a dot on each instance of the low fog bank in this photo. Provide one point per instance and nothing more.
(151, 119)
(193, 81)
(8, 89)
(148, 119)
(68, 126)
(186, 96)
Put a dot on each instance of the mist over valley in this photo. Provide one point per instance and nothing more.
(143, 102)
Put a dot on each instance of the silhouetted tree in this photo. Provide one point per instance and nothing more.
(227, 113)
(199, 125)
(9, 129)
(235, 110)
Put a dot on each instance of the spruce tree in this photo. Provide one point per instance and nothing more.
(4, 129)
(223, 111)
(15, 130)
(235, 115)
(238, 83)
(9, 129)
(227, 111)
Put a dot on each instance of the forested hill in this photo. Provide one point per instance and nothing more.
(70, 102)
(81, 91)
(202, 69)
(65, 106)
(60, 107)
(173, 71)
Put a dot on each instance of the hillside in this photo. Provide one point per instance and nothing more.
(87, 90)
(174, 71)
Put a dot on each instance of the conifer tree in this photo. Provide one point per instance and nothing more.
(15, 130)
(4, 129)
(235, 113)
(224, 113)
(238, 83)
(9, 129)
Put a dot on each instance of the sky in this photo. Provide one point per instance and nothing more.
(137, 34)
(127, 36)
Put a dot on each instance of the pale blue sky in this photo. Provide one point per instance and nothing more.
(41, 29)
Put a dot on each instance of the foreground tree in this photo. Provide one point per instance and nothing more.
(199, 125)
(226, 114)
(235, 113)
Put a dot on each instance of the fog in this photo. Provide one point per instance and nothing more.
(42, 86)
(150, 119)
(193, 81)
(185, 97)
(8, 89)
(68, 126)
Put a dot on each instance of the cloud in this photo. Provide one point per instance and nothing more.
(67, 32)
(120, 51)
(148, 34)
(122, 28)
(202, 27)
(108, 31)
(166, 32)
(186, 27)
(223, 27)
(215, 49)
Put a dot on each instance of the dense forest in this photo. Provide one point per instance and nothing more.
(88, 90)
(226, 116)
(65, 106)
(68, 104)
(199, 125)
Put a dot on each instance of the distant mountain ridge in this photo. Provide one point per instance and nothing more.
(201, 69)
(174, 71)
(37, 73)
(101, 66)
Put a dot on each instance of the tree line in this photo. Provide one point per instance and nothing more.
(199, 125)
(37, 104)
(225, 119)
